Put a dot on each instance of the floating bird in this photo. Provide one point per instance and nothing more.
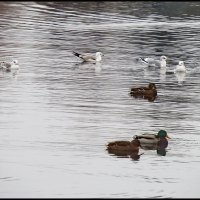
(155, 63)
(124, 146)
(89, 57)
(180, 67)
(150, 91)
(9, 65)
(153, 141)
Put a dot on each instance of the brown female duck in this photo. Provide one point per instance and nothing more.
(125, 149)
(123, 146)
(150, 91)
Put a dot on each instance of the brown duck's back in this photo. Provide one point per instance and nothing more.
(120, 143)
(145, 91)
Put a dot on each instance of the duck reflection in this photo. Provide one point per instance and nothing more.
(133, 155)
(149, 98)
(130, 149)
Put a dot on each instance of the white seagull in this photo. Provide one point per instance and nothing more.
(155, 63)
(180, 67)
(89, 57)
(9, 65)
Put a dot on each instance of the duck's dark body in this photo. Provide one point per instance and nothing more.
(148, 92)
(124, 146)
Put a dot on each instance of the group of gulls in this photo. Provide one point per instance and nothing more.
(163, 64)
(97, 57)
(151, 62)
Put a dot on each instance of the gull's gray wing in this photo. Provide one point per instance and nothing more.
(88, 56)
(157, 63)
(151, 62)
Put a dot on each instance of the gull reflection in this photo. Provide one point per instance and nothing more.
(180, 77)
(97, 67)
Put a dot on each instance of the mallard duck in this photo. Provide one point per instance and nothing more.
(153, 141)
(124, 146)
(125, 149)
(150, 91)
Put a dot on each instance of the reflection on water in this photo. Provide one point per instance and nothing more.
(149, 98)
(57, 114)
(135, 156)
(97, 67)
(180, 77)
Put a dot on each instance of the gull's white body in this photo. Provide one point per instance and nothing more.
(155, 63)
(90, 57)
(180, 67)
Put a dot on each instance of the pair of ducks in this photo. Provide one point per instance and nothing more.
(162, 63)
(157, 142)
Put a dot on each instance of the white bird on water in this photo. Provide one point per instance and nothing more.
(89, 57)
(9, 65)
(151, 62)
(180, 67)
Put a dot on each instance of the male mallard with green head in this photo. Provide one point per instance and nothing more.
(153, 141)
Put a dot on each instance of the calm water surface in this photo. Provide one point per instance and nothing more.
(57, 114)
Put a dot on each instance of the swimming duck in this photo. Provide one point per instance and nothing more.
(153, 141)
(124, 146)
(150, 91)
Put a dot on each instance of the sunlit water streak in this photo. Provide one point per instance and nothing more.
(57, 114)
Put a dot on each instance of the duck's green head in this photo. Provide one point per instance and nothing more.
(162, 133)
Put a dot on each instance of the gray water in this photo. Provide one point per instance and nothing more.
(57, 114)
